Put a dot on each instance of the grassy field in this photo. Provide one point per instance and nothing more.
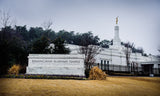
(113, 86)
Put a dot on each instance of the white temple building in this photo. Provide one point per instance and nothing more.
(115, 56)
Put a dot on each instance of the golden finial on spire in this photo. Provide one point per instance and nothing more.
(117, 20)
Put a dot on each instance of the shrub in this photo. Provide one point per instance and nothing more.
(14, 69)
(97, 74)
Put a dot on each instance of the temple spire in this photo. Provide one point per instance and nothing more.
(116, 40)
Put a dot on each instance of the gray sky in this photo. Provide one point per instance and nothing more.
(139, 20)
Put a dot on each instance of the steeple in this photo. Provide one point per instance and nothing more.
(116, 40)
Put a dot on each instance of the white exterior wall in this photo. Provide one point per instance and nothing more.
(117, 56)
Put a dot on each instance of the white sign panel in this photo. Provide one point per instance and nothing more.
(56, 64)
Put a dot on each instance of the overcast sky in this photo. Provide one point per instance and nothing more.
(139, 20)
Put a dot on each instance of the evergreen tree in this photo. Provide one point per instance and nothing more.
(105, 43)
(59, 47)
(40, 46)
(12, 49)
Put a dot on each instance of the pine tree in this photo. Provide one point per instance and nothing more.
(59, 47)
(41, 46)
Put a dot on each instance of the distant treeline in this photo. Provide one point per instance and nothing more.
(16, 43)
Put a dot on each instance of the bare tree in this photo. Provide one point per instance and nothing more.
(5, 21)
(47, 24)
(90, 52)
(128, 51)
(5, 18)
(158, 55)
(89, 48)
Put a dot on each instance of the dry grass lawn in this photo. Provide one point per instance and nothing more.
(113, 86)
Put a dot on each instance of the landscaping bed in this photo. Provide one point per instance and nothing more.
(37, 76)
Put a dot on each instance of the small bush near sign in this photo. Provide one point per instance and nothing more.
(97, 74)
(14, 69)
